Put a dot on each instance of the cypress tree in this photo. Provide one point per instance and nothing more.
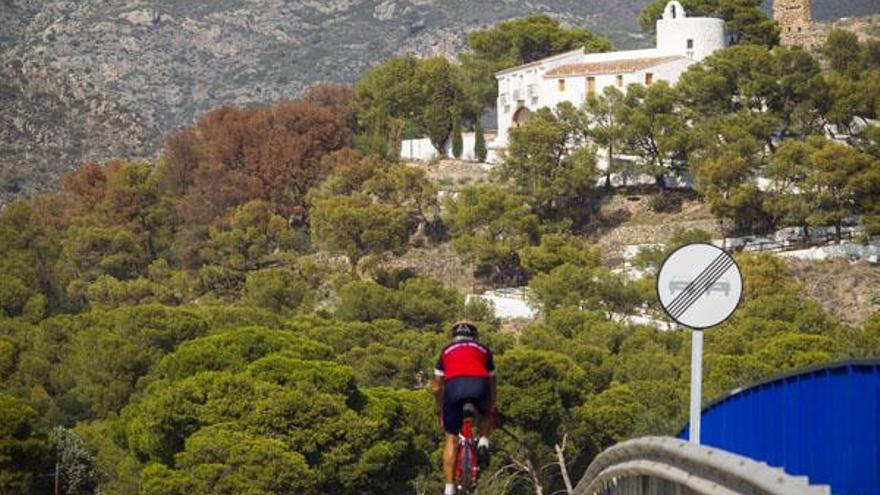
(457, 144)
(480, 151)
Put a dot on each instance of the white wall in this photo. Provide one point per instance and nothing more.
(514, 87)
(669, 71)
(674, 29)
(707, 33)
(519, 81)
(576, 86)
(509, 303)
(417, 149)
(422, 150)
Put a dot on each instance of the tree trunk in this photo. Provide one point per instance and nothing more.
(560, 456)
(526, 466)
(610, 167)
(661, 181)
(536, 481)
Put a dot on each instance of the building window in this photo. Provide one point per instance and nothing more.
(591, 86)
(690, 44)
(561, 85)
(619, 81)
(649, 79)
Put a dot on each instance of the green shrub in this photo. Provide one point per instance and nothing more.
(665, 202)
(14, 295)
(275, 289)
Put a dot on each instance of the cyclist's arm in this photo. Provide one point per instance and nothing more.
(493, 391)
(438, 381)
(493, 383)
(437, 388)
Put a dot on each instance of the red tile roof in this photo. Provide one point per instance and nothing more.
(610, 66)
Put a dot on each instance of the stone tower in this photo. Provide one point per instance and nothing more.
(795, 18)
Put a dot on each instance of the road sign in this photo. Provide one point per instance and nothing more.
(699, 286)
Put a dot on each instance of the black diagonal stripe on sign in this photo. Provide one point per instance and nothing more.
(699, 286)
(703, 286)
(691, 287)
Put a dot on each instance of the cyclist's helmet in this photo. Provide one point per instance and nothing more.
(464, 328)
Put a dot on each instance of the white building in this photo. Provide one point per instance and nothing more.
(573, 76)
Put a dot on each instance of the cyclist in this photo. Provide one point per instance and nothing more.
(465, 372)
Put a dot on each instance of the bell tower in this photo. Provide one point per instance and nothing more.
(795, 19)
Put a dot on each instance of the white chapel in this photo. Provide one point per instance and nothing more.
(575, 75)
(572, 76)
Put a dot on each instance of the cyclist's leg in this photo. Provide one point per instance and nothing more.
(452, 416)
(483, 402)
(450, 451)
(486, 424)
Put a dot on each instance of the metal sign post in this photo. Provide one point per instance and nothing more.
(699, 286)
(696, 384)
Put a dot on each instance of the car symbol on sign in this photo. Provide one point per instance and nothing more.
(677, 285)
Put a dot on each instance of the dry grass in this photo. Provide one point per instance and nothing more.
(440, 263)
(453, 173)
(847, 290)
(626, 220)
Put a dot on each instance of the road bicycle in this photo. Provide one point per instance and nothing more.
(466, 469)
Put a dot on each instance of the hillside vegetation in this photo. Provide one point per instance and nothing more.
(86, 81)
(229, 318)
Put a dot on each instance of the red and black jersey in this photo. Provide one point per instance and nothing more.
(465, 357)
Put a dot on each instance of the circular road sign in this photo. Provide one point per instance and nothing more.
(699, 285)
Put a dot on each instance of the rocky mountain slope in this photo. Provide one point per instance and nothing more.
(88, 79)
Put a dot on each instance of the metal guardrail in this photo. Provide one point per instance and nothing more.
(665, 465)
(815, 240)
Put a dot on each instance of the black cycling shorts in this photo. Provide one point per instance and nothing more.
(456, 393)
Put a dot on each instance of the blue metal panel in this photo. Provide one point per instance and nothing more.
(823, 423)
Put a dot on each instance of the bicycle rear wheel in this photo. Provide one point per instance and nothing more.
(466, 482)
(467, 456)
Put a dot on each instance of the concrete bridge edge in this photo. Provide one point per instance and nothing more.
(704, 470)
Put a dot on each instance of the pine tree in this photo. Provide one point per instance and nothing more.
(480, 151)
